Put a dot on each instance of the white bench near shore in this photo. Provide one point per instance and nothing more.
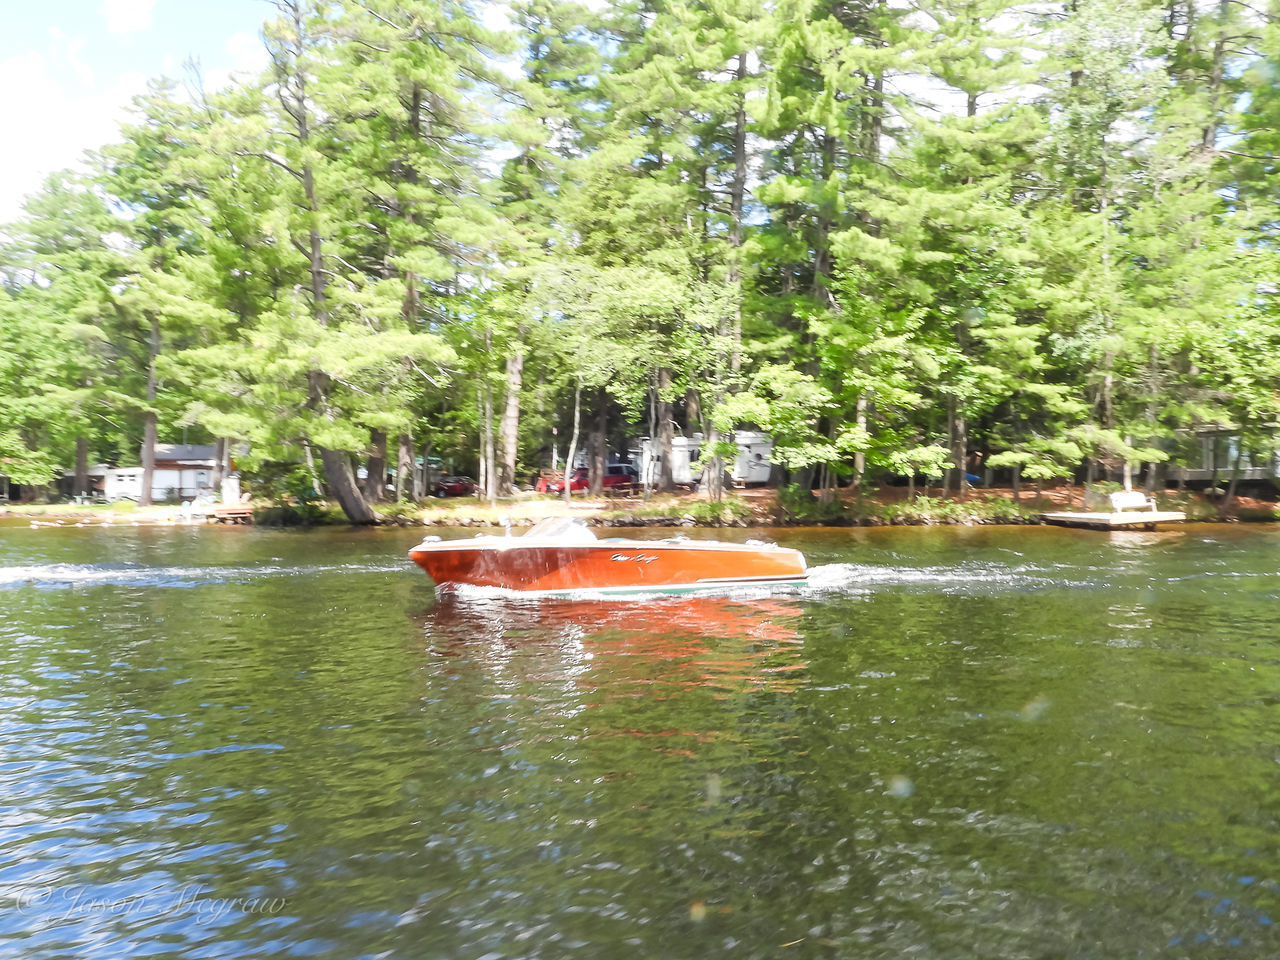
(1123, 500)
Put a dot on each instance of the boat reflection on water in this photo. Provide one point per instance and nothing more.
(728, 643)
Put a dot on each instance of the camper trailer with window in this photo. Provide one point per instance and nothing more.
(751, 466)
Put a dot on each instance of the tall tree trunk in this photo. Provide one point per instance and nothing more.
(344, 487)
(1154, 386)
(825, 223)
(829, 482)
(482, 481)
(666, 432)
(219, 465)
(422, 477)
(489, 479)
(692, 408)
(1213, 83)
(737, 227)
(1152, 480)
(647, 464)
(712, 469)
(149, 418)
(959, 443)
(508, 427)
(404, 467)
(339, 478)
(874, 111)
(490, 449)
(316, 483)
(82, 467)
(573, 442)
(375, 481)
(1225, 507)
(597, 444)
(860, 456)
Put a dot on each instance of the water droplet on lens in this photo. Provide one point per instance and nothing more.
(900, 787)
(714, 788)
(1035, 709)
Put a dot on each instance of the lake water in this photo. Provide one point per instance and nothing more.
(997, 742)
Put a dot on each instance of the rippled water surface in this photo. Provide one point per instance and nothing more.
(955, 743)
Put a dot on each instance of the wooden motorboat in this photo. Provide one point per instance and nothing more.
(561, 555)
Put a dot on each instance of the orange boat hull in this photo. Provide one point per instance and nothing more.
(615, 566)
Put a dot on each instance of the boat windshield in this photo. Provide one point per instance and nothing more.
(570, 529)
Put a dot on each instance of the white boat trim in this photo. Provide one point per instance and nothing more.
(511, 543)
(781, 577)
(655, 590)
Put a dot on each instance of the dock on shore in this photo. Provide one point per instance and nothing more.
(1121, 520)
(235, 514)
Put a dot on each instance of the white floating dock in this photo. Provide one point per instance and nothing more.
(1123, 520)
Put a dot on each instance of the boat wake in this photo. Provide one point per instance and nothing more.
(827, 580)
(853, 578)
(55, 575)
(824, 580)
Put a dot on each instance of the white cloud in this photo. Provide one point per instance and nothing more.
(247, 52)
(55, 121)
(496, 16)
(247, 56)
(74, 91)
(70, 48)
(127, 16)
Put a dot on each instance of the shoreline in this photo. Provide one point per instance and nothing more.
(756, 507)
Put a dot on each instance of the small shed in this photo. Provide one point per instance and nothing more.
(182, 472)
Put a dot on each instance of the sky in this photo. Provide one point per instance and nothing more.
(70, 68)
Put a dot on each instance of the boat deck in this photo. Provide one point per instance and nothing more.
(1121, 520)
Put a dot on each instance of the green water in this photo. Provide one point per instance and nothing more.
(956, 743)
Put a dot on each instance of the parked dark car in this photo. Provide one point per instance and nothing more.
(454, 487)
(616, 475)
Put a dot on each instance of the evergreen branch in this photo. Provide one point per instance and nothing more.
(353, 269)
(426, 376)
(1247, 156)
(370, 46)
(377, 16)
(273, 159)
(1261, 14)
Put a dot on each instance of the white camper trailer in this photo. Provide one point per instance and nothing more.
(684, 451)
(751, 465)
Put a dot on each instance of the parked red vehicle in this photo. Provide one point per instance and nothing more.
(454, 487)
(616, 475)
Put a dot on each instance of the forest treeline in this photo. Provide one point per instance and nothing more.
(893, 236)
